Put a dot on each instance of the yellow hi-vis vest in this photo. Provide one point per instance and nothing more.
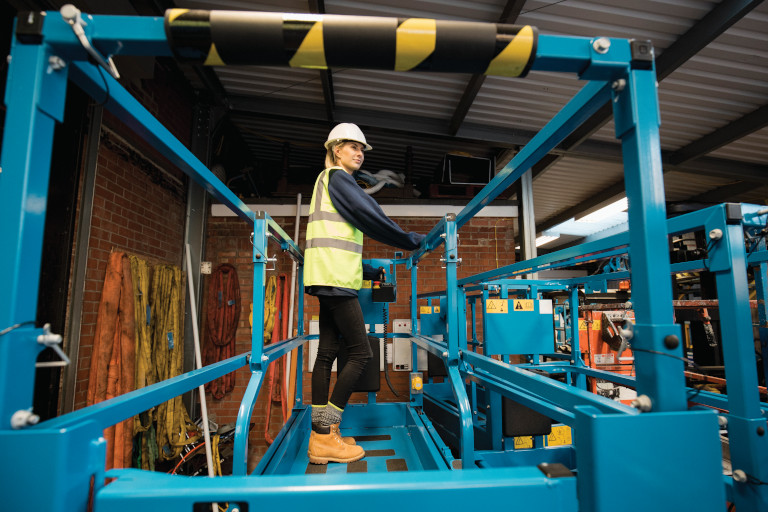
(334, 251)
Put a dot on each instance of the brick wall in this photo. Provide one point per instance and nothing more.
(485, 244)
(139, 202)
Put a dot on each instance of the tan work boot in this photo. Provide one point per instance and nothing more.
(325, 448)
(347, 440)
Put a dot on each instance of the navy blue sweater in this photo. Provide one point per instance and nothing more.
(364, 213)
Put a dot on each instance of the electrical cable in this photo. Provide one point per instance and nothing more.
(15, 326)
(106, 86)
(687, 361)
(184, 457)
(385, 317)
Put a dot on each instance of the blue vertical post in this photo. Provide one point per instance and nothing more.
(34, 99)
(257, 365)
(300, 330)
(579, 379)
(454, 305)
(747, 432)
(636, 113)
(761, 291)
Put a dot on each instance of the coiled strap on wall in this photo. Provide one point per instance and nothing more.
(218, 38)
(223, 315)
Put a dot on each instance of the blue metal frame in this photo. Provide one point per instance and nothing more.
(68, 452)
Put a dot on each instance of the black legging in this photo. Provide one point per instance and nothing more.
(341, 321)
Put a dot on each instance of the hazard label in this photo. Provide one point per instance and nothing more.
(496, 306)
(425, 310)
(596, 325)
(582, 325)
(436, 309)
(523, 305)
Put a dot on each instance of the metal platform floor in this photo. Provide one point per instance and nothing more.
(386, 449)
(395, 438)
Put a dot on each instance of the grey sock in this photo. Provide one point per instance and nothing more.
(318, 414)
(332, 415)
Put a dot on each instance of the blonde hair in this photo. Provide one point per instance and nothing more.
(330, 156)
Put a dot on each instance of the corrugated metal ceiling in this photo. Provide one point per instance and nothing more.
(723, 80)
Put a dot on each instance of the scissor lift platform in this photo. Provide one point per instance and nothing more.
(395, 436)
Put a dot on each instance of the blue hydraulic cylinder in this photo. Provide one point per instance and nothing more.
(636, 112)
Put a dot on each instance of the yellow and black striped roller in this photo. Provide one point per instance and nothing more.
(219, 38)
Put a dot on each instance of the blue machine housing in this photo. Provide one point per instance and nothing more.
(670, 453)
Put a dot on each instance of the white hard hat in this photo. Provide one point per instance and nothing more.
(346, 131)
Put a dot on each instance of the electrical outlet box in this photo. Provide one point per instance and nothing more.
(206, 267)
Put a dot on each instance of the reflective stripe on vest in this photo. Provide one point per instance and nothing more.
(333, 254)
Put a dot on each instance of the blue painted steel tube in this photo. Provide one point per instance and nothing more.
(565, 396)
(244, 412)
(101, 86)
(260, 257)
(579, 380)
(115, 410)
(588, 100)
(761, 292)
(448, 490)
(110, 35)
(34, 99)
(456, 338)
(636, 112)
(748, 438)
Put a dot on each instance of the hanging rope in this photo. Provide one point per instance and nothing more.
(174, 427)
(279, 324)
(222, 317)
(114, 348)
(145, 451)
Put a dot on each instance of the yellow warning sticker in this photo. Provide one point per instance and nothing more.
(523, 442)
(425, 310)
(560, 436)
(523, 305)
(582, 325)
(366, 284)
(436, 309)
(496, 306)
(596, 325)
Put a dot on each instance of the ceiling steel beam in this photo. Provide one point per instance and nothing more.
(734, 130)
(326, 75)
(726, 193)
(496, 137)
(714, 23)
(508, 15)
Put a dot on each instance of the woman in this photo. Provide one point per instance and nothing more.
(339, 214)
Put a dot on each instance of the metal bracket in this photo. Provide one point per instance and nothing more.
(53, 341)
(71, 15)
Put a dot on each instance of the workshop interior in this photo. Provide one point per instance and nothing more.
(586, 317)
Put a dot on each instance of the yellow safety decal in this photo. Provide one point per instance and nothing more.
(523, 305)
(560, 436)
(415, 41)
(523, 442)
(311, 53)
(425, 310)
(513, 59)
(496, 306)
(596, 325)
(213, 58)
(582, 325)
(436, 309)
(175, 13)
(367, 284)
